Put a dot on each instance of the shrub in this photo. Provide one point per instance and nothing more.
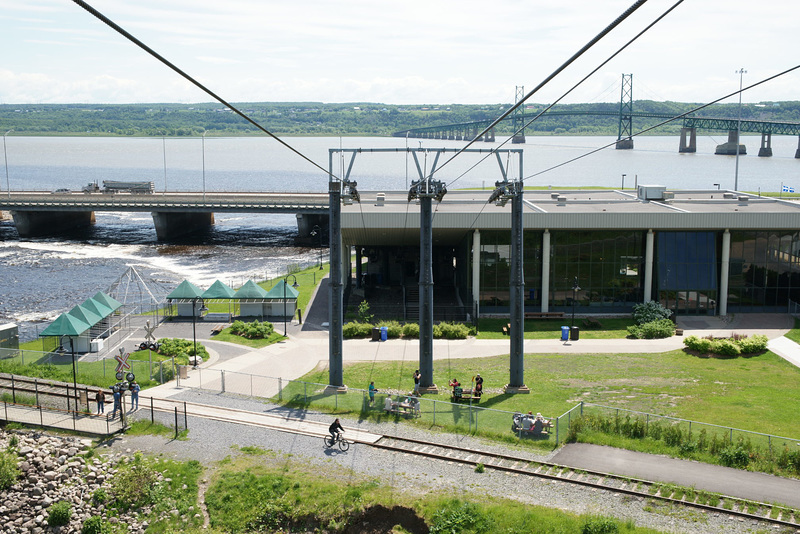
(754, 344)
(172, 347)
(652, 330)
(451, 331)
(457, 516)
(699, 345)
(725, 347)
(60, 514)
(134, 485)
(96, 525)
(411, 330)
(253, 329)
(649, 312)
(394, 329)
(356, 329)
(600, 525)
(9, 472)
(734, 456)
(364, 316)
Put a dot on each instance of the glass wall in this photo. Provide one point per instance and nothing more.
(608, 267)
(686, 271)
(764, 271)
(495, 260)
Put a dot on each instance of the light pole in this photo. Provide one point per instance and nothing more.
(741, 73)
(204, 164)
(74, 373)
(623, 181)
(717, 186)
(317, 231)
(295, 285)
(194, 324)
(5, 159)
(575, 289)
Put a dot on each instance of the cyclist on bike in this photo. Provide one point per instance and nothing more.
(334, 429)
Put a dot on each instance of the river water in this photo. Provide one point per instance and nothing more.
(39, 279)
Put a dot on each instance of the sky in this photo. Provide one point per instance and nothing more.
(404, 53)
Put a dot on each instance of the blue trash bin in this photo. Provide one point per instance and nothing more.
(384, 333)
(564, 333)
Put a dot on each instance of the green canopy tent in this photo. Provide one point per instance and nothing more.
(251, 299)
(186, 295)
(67, 325)
(220, 291)
(109, 301)
(282, 300)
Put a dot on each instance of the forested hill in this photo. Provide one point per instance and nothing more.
(314, 118)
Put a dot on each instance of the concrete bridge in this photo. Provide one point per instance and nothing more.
(174, 214)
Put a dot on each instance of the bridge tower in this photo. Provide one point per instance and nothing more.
(624, 139)
(517, 120)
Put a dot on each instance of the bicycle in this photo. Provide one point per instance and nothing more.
(330, 442)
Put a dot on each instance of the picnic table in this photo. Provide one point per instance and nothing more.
(408, 406)
(464, 395)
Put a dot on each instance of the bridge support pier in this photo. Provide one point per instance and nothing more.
(624, 144)
(797, 152)
(518, 139)
(729, 148)
(306, 223)
(766, 145)
(172, 224)
(489, 137)
(691, 146)
(39, 223)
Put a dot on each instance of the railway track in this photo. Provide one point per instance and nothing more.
(656, 491)
(647, 490)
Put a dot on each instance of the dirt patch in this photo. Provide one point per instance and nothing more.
(382, 520)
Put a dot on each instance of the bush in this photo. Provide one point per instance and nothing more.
(457, 516)
(699, 345)
(751, 345)
(96, 525)
(253, 329)
(649, 312)
(134, 485)
(177, 348)
(411, 330)
(394, 329)
(356, 329)
(734, 456)
(600, 525)
(9, 472)
(725, 347)
(451, 331)
(60, 514)
(364, 316)
(652, 330)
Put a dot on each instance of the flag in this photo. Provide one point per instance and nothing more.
(787, 189)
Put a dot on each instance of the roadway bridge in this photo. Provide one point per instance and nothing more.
(175, 214)
(468, 131)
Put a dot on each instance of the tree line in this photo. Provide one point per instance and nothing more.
(350, 119)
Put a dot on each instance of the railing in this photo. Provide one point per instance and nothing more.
(685, 427)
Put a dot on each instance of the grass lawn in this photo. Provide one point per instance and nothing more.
(613, 328)
(226, 335)
(759, 393)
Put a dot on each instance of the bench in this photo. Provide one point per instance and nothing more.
(217, 329)
(543, 315)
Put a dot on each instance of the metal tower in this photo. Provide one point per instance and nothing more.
(517, 120)
(624, 139)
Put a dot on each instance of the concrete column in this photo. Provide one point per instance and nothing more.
(766, 145)
(729, 148)
(307, 221)
(545, 271)
(489, 137)
(691, 146)
(797, 152)
(724, 272)
(359, 259)
(648, 266)
(518, 139)
(40, 223)
(172, 224)
(476, 273)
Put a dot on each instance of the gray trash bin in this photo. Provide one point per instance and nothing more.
(564, 333)
(575, 333)
(376, 334)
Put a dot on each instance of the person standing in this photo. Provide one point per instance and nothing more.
(135, 388)
(117, 402)
(100, 397)
(417, 376)
(478, 385)
(372, 391)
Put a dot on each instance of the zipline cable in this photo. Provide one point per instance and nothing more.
(196, 83)
(628, 12)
